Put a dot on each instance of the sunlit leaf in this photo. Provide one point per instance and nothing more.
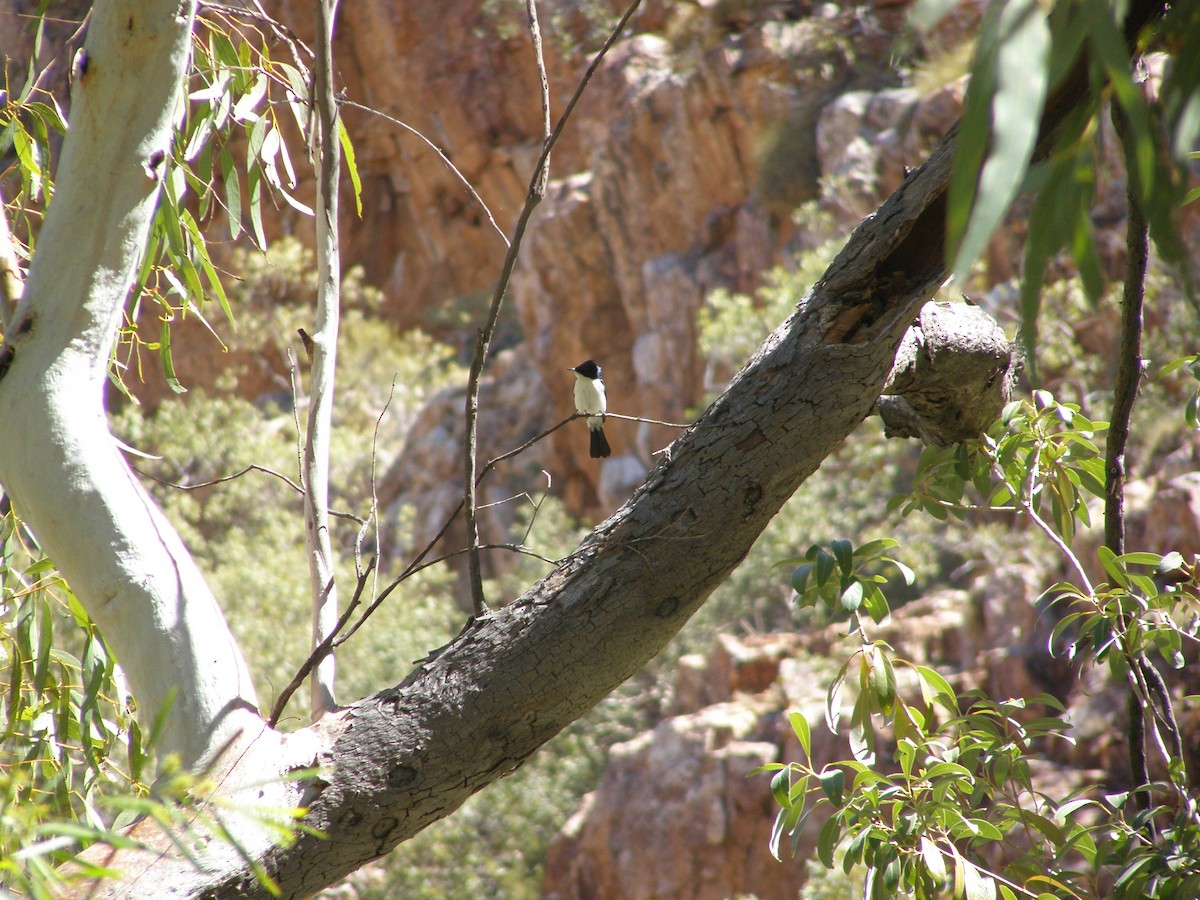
(1013, 45)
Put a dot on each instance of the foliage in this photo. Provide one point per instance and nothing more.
(75, 767)
(1022, 57)
(229, 158)
(960, 783)
(236, 92)
(70, 740)
(1043, 457)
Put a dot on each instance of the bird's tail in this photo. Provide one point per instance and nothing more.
(599, 446)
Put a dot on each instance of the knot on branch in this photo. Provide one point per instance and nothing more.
(953, 373)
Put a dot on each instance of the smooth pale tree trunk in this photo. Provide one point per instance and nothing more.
(58, 462)
(394, 763)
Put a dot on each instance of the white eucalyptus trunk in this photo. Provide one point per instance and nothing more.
(58, 462)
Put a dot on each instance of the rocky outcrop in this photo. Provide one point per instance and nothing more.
(680, 173)
(675, 815)
(706, 826)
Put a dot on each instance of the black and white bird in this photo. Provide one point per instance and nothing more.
(591, 400)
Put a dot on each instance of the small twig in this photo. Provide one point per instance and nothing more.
(537, 186)
(1063, 548)
(441, 155)
(321, 650)
(508, 500)
(373, 516)
(1159, 701)
(253, 467)
(612, 415)
(535, 36)
(496, 460)
(537, 507)
(514, 548)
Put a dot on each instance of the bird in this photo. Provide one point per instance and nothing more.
(591, 400)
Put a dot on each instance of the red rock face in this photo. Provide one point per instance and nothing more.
(677, 174)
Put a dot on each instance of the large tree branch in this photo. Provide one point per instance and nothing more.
(477, 709)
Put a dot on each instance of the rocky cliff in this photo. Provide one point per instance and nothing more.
(682, 170)
(675, 815)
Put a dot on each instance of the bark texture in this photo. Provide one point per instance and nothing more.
(476, 710)
(954, 372)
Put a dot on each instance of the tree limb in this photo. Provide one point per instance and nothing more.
(324, 360)
(58, 462)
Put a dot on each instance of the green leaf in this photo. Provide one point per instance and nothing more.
(1112, 566)
(883, 680)
(1092, 476)
(862, 731)
(825, 564)
(210, 272)
(852, 597)
(875, 603)
(1014, 48)
(244, 109)
(827, 840)
(777, 831)
(871, 549)
(833, 783)
(976, 885)
(833, 699)
(936, 689)
(233, 194)
(935, 863)
(780, 783)
(1169, 563)
(1175, 364)
(800, 579)
(167, 361)
(351, 165)
(1141, 558)
(254, 185)
(801, 729)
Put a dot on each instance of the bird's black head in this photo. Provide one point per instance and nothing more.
(588, 369)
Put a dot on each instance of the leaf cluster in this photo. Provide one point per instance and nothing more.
(1023, 56)
(959, 791)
